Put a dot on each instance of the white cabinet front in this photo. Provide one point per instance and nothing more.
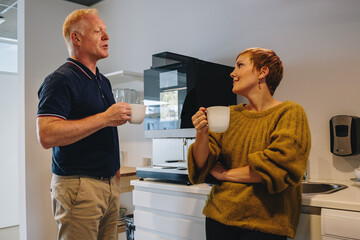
(339, 224)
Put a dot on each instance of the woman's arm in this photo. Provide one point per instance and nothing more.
(240, 175)
(201, 145)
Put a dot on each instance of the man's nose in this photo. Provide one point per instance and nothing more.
(106, 36)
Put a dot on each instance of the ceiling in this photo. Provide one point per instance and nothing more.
(8, 29)
(85, 2)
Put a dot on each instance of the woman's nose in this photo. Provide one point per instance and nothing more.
(232, 74)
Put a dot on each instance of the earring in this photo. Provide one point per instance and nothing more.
(259, 85)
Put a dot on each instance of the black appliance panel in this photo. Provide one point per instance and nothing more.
(174, 92)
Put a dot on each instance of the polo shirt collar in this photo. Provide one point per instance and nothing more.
(84, 69)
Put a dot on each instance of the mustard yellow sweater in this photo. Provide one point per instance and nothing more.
(276, 144)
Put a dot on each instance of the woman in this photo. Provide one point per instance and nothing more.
(259, 160)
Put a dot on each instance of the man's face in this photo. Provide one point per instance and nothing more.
(94, 39)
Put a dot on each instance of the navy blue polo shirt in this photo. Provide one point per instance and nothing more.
(74, 92)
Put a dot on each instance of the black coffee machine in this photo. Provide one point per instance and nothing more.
(176, 86)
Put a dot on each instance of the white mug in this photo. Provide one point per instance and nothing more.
(357, 174)
(218, 118)
(137, 113)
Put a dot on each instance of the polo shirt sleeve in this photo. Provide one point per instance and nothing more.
(55, 97)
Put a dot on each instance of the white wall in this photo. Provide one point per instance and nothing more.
(317, 40)
(9, 184)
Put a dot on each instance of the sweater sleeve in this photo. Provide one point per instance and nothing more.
(198, 176)
(283, 162)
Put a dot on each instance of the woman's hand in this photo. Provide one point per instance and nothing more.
(201, 145)
(240, 175)
(218, 171)
(199, 121)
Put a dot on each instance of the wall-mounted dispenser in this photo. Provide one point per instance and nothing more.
(345, 135)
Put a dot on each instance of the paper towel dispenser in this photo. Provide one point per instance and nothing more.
(345, 135)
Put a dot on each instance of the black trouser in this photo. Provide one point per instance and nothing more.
(219, 231)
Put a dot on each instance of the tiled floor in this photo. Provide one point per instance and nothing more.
(10, 233)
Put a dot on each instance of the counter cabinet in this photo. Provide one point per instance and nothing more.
(164, 212)
(174, 211)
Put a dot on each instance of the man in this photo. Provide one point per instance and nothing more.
(77, 118)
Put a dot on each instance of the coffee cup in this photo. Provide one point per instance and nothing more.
(218, 118)
(137, 113)
(357, 174)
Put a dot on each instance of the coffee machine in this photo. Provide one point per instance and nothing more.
(175, 87)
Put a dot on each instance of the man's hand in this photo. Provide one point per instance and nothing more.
(118, 114)
(118, 173)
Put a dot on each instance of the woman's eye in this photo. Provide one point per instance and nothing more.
(239, 65)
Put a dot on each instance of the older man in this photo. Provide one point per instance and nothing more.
(77, 118)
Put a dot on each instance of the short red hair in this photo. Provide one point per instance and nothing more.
(261, 57)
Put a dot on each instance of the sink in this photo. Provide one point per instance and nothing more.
(324, 188)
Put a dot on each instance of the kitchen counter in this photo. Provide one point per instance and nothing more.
(127, 171)
(346, 199)
(127, 174)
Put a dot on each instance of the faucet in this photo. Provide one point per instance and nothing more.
(306, 175)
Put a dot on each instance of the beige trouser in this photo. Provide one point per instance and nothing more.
(85, 208)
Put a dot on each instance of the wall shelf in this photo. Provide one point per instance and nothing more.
(122, 76)
(127, 79)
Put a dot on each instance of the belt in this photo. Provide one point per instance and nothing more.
(85, 176)
(97, 178)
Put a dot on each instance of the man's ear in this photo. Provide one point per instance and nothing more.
(264, 72)
(75, 38)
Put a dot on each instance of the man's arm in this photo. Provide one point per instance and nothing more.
(53, 131)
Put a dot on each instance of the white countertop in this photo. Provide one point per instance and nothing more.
(346, 199)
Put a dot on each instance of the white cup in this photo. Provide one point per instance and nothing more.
(218, 118)
(357, 174)
(137, 113)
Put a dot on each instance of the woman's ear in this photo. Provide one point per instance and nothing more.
(263, 72)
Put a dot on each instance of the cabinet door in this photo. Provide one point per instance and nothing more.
(309, 227)
(340, 224)
(168, 226)
(332, 238)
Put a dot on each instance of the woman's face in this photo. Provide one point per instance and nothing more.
(245, 76)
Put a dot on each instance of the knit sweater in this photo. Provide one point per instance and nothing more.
(275, 143)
